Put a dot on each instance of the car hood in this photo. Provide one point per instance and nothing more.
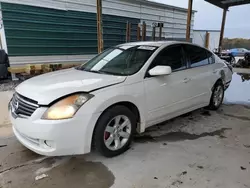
(48, 87)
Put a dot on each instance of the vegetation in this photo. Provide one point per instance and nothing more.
(236, 43)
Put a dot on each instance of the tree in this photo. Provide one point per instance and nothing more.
(236, 43)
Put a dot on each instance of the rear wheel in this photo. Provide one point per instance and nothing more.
(114, 131)
(217, 96)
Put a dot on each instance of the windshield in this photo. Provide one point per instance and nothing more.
(125, 60)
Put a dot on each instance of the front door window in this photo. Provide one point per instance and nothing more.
(171, 56)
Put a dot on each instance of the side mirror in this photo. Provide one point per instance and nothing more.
(160, 71)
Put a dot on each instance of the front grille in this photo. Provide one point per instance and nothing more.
(22, 106)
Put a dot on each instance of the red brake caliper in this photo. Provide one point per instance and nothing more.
(106, 135)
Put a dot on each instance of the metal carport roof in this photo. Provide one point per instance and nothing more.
(224, 4)
(227, 3)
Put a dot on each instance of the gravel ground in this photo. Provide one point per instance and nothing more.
(8, 85)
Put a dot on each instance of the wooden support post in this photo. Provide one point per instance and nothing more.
(207, 40)
(128, 32)
(189, 18)
(144, 31)
(222, 29)
(153, 33)
(99, 26)
(138, 32)
(160, 32)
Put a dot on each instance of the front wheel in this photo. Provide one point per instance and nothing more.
(114, 131)
(217, 96)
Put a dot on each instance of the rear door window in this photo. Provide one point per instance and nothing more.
(196, 55)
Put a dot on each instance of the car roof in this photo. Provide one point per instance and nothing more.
(158, 44)
(150, 43)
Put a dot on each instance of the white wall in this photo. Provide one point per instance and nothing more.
(200, 38)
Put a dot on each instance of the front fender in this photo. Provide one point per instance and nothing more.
(127, 93)
(124, 98)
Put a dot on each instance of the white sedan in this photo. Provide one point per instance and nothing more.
(125, 89)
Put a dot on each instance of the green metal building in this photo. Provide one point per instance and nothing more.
(43, 31)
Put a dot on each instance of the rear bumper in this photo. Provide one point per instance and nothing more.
(227, 84)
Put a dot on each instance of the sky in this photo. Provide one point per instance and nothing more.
(210, 16)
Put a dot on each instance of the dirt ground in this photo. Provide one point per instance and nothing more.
(199, 149)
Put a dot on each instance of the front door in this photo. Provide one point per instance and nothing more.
(167, 95)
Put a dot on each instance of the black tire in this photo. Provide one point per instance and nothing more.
(103, 122)
(213, 105)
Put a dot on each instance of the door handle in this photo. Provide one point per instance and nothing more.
(186, 80)
(214, 71)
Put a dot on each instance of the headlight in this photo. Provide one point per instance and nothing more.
(67, 107)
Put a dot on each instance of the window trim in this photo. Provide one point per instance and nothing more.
(212, 57)
(165, 48)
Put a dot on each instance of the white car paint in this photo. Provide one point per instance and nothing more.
(60, 83)
(157, 99)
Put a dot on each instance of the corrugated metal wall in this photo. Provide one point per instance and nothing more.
(58, 27)
(41, 31)
(174, 18)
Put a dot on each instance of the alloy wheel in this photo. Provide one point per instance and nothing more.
(117, 132)
(218, 95)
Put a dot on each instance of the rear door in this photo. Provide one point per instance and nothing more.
(200, 71)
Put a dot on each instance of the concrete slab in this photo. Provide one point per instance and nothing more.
(5, 125)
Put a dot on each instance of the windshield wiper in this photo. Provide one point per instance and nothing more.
(113, 73)
(78, 68)
(95, 71)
